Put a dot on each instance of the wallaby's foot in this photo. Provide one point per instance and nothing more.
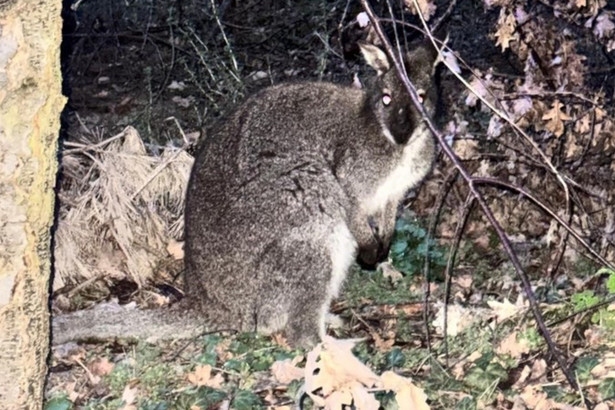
(304, 330)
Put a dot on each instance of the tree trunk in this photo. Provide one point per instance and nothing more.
(30, 105)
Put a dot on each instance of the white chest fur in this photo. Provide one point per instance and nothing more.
(412, 167)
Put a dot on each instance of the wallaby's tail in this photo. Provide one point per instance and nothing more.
(111, 321)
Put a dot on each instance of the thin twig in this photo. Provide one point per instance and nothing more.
(444, 191)
(464, 214)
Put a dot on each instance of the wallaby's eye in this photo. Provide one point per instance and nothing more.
(386, 99)
(421, 93)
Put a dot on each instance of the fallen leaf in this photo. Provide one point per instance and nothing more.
(495, 128)
(464, 281)
(176, 249)
(513, 346)
(466, 149)
(450, 60)
(427, 7)
(71, 391)
(505, 310)
(363, 399)
(177, 85)
(101, 367)
(381, 343)
(338, 399)
(537, 399)
(331, 367)
(362, 19)
(389, 272)
(507, 24)
(285, 371)
(458, 319)
(407, 395)
(539, 370)
(129, 397)
(604, 26)
(555, 118)
(201, 376)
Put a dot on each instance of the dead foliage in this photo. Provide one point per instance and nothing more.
(120, 207)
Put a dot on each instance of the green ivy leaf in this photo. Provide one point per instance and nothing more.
(246, 400)
(610, 283)
(59, 403)
(399, 247)
(584, 366)
(467, 403)
(607, 389)
(396, 358)
(584, 299)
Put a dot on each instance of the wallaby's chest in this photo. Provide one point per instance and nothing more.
(404, 173)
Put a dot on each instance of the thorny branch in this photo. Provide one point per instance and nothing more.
(473, 186)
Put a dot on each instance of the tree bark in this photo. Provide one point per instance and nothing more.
(30, 105)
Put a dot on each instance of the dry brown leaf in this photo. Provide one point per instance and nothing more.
(363, 399)
(603, 26)
(606, 368)
(555, 118)
(495, 127)
(389, 271)
(427, 7)
(478, 89)
(464, 281)
(285, 371)
(507, 25)
(537, 399)
(539, 370)
(492, 3)
(513, 346)
(331, 367)
(101, 366)
(338, 399)
(505, 310)
(176, 249)
(573, 149)
(583, 126)
(407, 395)
(466, 149)
(71, 391)
(201, 376)
(381, 343)
(129, 397)
(525, 373)
(458, 319)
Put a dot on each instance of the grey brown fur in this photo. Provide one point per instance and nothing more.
(283, 194)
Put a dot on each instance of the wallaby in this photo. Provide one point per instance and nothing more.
(283, 195)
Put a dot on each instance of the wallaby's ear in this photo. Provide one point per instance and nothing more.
(423, 56)
(375, 57)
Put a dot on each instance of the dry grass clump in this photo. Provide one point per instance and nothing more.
(120, 207)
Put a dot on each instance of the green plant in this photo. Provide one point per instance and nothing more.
(588, 298)
(410, 246)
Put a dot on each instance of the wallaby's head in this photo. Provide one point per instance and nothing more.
(388, 98)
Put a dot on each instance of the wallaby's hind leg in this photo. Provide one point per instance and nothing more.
(314, 278)
(340, 252)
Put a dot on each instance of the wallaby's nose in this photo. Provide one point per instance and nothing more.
(369, 258)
